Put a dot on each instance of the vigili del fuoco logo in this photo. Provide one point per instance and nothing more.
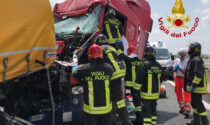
(178, 20)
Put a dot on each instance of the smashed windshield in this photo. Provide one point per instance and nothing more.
(87, 24)
(162, 53)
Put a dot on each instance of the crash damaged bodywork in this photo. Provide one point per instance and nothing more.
(136, 13)
(78, 22)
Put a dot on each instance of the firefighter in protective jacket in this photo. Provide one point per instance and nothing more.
(96, 77)
(112, 27)
(132, 64)
(111, 57)
(195, 83)
(148, 85)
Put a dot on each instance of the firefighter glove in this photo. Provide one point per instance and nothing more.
(74, 68)
(192, 89)
(117, 42)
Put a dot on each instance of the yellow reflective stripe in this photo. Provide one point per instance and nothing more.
(111, 39)
(138, 108)
(146, 124)
(121, 104)
(149, 83)
(133, 74)
(196, 80)
(146, 97)
(204, 80)
(97, 110)
(91, 97)
(110, 49)
(150, 96)
(118, 74)
(107, 92)
(113, 62)
(109, 31)
(195, 111)
(119, 51)
(137, 86)
(202, 114)
(188, 88)
(154, 122)
(129, 84)
(154, 117)
(197, 89)
(147, 119)
(159, 75)
(118, 32)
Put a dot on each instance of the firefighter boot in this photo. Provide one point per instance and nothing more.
(196, 120)
(204, 120)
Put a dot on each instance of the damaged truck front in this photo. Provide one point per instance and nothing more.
(78, 22)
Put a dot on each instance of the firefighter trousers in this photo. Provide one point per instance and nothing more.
(104, 119)
(197, 105)
(183, 97)
(149, 112)
(138, 108)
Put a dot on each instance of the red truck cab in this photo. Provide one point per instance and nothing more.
(134, 15)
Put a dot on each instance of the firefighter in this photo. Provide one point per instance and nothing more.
(96, 77)
(111, 57)
(132, 64)
(180, 67)
(148, 81)
(195, 83)
(112, 27)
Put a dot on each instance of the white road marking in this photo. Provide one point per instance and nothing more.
(207, 105)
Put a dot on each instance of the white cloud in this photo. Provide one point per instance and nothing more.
(53, 2)
(205, 2)
(205, 20)
(205, 11)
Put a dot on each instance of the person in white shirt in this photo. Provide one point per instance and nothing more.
(183, 97)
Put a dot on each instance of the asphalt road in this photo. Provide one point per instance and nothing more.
(168, 108)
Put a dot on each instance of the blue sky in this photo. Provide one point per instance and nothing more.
(193, 8)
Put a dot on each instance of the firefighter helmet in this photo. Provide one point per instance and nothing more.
(112, 12)
(95, 51)
(131, 50)
(194, 48)
(101, 39)
(149, 51)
